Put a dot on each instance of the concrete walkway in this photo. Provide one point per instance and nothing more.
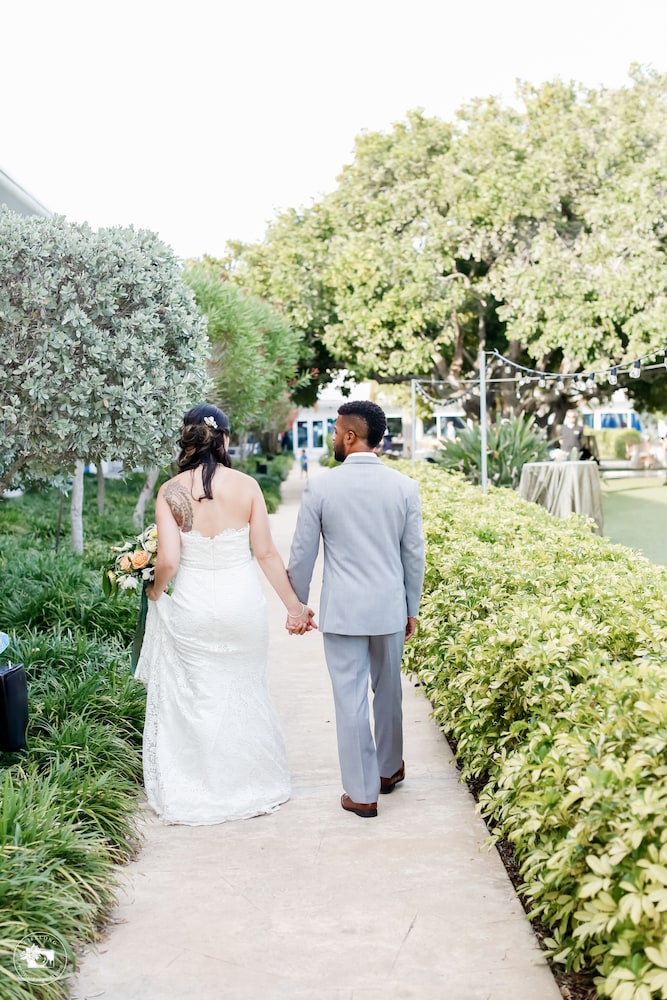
(312, 903)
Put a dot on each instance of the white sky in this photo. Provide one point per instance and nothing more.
(202, 119)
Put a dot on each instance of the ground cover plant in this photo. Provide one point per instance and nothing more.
(541, 647)
(68, 802)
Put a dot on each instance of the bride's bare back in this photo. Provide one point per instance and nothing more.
(231, 506)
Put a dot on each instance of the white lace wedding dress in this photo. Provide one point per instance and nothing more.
(213, 750)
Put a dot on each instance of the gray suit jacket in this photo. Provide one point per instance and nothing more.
(369, 517)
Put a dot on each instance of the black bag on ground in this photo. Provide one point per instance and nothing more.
(13, 707)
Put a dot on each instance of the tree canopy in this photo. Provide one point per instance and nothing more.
(254, 349)
(538, 230)
(102, 347)
(289, 272)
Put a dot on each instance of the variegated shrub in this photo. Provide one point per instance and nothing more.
(542, 648)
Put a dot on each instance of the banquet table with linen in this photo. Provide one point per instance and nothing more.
(564, 488)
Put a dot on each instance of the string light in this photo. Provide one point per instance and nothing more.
(520, 376)
(582, 380)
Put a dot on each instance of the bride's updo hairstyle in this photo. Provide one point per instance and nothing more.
(203, 441)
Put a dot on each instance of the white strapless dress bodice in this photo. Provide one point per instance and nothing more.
(213, 750)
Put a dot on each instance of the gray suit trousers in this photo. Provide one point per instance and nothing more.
(351, 660)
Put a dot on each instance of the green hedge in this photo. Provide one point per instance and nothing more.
(542, 649)
(612, 441)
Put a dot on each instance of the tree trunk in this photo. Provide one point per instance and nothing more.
(76, 509)
(144, 497)
(59, 522)
(270, 443)
(441, 367)
(100, 488)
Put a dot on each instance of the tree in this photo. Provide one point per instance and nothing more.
(254, 350)
(101, 347)
(290, 272)
(538, 230)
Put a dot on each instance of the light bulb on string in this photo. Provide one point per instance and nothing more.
(590, 382)
(636, 370)
(542, 381)
(559, 384)
(612, 377)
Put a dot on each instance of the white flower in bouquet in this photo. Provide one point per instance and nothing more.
(133, 563)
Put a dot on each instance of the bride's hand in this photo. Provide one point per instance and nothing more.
(301, 623)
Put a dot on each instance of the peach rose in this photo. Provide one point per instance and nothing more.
(139, 559)
(125, 564)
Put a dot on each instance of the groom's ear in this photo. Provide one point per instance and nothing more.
(356, 426)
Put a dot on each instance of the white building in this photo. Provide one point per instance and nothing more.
(312, 424)
(18, 200)
(616, 412)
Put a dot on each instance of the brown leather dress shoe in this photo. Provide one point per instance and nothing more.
(389, 784)
(363, 809)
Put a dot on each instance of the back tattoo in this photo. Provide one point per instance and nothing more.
(180, 505)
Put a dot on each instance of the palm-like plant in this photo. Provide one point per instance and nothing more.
(510, 444)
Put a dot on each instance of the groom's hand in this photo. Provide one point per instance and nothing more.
(410, 628)
(301, 625)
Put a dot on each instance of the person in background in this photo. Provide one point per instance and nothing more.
(570, 435)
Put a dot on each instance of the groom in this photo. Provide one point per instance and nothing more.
(370, 519)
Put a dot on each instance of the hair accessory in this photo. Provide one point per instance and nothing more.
(211, 422)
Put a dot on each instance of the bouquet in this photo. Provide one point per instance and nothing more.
(133, 563)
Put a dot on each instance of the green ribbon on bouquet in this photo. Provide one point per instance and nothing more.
(138, 640)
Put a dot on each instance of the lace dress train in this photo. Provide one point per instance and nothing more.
(213, 749)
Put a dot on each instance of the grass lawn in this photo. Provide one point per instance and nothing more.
(635, 514)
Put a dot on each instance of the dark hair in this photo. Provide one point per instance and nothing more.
(373, 416)
(202, 442)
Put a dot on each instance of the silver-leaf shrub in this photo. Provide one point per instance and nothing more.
(102, 347)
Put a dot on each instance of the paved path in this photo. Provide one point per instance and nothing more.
(311, 903)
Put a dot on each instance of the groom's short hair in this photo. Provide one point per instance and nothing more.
(372, 415)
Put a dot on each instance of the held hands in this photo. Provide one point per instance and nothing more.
(300, 623)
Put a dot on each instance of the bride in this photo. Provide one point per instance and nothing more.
(212, 749)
